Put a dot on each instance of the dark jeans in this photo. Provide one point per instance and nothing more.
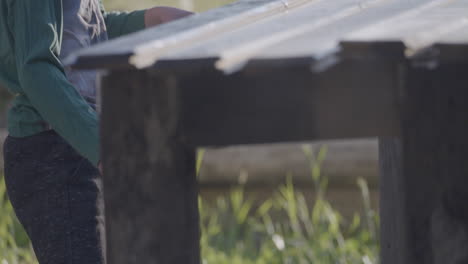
(55, 194)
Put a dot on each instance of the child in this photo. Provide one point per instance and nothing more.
(51, 153)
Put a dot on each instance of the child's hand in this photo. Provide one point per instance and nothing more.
(159, 15)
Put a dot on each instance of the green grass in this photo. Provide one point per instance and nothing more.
(285, 228)
(14, 244)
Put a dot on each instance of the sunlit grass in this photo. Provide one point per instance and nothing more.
(288, 228)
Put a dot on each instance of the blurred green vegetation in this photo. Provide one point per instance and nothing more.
(288, 228)
(284, 228)
(14, 243)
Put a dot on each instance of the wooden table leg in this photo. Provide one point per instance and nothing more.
(424, 174)
(150, 187)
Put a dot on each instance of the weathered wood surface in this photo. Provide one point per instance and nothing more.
(424, 186)
(148, 152)
(420, 27)
(232, 36)
(144, 48)
(416, 217)
(399, 72)
(394, 241)
(268, 165)
(351, 100)
(310, 31)
(149, 184)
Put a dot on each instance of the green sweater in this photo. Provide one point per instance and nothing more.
(30, 42)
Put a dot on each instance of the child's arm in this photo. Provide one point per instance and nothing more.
(161, 14)
(123, 23)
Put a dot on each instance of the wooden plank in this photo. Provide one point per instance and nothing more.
(318, 26)
(424, 209)
(327, 37)
(269, 165)
(313, 30)
(420, 27)
(242, 44)
(269, 46)
(250, 30)
(456, 37)
(144, 48)
(352, 99)
(445, 52)
(151, 201)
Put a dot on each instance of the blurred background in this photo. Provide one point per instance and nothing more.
(310, 202)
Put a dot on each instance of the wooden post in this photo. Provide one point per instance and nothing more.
(424, 199)
(150, 188)
(392, 213)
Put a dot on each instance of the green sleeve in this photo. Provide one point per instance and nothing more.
(123, 23)
(37, 35)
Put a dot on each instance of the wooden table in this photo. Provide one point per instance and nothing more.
(264, 71)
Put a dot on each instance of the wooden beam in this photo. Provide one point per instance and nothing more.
(277, 104)
(150, 189)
